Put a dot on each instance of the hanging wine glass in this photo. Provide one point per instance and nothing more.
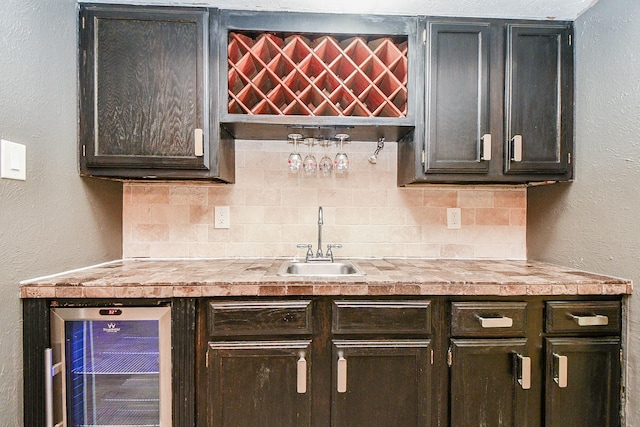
(310, 164)
(295, 159)
(326, 163)
(341, 162)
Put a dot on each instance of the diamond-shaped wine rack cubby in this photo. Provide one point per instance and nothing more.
(317, 75)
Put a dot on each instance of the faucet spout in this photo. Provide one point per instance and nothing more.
(320, 223)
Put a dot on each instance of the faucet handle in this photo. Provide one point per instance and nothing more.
(330, 252)
(309, 250)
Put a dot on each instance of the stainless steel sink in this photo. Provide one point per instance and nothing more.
(320, 269)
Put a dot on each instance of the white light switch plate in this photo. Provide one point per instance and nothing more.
(13, 160)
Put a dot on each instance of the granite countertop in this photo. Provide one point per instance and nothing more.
(166, 278)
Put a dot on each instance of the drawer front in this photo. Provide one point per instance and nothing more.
(382, 317)
(583, 316)
(259, 318)
(488, 319)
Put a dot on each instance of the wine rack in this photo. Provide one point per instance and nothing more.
(317, 74)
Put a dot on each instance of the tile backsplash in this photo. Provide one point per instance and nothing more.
(272, 211)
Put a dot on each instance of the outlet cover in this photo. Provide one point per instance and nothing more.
(454, 220)
(221, 217)
(13, 160)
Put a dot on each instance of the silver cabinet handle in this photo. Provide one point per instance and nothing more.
(485, 153)
(516, 154)
(301, 386)
(495, 322)
(596, 320)
(342, 373)
(561, 370)
(198, 138)
(524, 378)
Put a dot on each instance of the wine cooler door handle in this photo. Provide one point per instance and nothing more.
(342, 374)
(301, 386)
(485, 153)
(50, 371)
(561, 370)
(524, 374)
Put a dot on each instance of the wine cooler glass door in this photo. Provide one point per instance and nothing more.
(116, 366)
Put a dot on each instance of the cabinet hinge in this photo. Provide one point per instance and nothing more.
(569, 158)
(570, 40)
(206, 360)
(432, 356)
(449, 357)
(84, 150)
(621, 356)
(83, 23)
(424, 36)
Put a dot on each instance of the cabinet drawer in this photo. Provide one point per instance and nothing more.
(583, 316)
(259, 318)
(382, 317)
(472, 319)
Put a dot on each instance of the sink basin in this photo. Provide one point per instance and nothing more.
(320, 269)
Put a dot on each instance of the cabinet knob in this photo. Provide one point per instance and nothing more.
(560, 370)
(516, 149)
(342, 374)
(301, 386)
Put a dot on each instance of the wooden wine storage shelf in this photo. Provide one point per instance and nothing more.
(317, 75)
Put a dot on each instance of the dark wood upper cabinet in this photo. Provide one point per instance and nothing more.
(498, 104)
(145, 93)
(457, 95)
(539, 100)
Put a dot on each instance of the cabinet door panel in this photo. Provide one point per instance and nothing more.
(538, 99)
(484, 383)
(257, 384)
(143, 87)
(590, 395)
(388, 383)
(458, 98)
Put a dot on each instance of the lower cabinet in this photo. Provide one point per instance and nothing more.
(412, 362)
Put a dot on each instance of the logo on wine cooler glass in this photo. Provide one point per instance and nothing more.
(111, 327)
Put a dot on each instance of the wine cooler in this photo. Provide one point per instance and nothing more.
(109, 366)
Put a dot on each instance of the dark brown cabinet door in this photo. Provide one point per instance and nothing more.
(582, 386)
(490, 380)
(381, 383)
(539, 100)
(259, 384)
(144, 94)
(457, 86)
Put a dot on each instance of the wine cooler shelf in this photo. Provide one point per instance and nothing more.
(317, 75)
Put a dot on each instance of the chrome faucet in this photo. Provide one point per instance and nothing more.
(320, 222)
(319, 256)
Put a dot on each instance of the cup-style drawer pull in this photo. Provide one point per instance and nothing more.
(524, 376)
(342, 374)
(495, 322)
(560, 371)
(596, 320)
(301, 386)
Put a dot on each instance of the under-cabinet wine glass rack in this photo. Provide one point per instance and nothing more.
(317, 74)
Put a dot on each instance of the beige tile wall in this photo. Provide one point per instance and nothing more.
(271, 211)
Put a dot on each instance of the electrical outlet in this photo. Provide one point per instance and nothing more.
(454, 218)
(221, 217)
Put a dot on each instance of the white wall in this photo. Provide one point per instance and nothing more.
(593, 223)
(54, 220)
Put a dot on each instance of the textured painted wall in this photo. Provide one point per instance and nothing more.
(54, 220)
(593, 223)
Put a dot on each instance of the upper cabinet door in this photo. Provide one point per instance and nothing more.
(539, 100)
(458, 137)
(144, 90)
